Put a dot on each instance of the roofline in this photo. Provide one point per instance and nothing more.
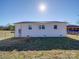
(39, 22)
(72, 25)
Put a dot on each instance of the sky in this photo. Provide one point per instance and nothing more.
(12, 11)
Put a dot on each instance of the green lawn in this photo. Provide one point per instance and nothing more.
(39, 43)
(40, 48)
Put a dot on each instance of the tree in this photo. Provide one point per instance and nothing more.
(11, 27)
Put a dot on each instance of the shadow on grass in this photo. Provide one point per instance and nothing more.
(39, 43)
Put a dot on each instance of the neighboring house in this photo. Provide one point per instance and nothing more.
(41, 29)
(73, 29)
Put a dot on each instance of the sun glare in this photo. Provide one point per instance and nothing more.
(42, 7)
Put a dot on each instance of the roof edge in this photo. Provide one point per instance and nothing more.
(39, 22)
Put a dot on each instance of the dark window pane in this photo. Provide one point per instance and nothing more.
(30, 28)
(55, 26)
(70, 28)
(74, 29)
(43, 27)
(19, 30)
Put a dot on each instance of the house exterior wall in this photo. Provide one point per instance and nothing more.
(73, 29)
(49, 30)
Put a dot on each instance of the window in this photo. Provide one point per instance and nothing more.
(70, 28)
(41, 27)
(30, 28)
(19, 31)
(78, 29)
(55, 26)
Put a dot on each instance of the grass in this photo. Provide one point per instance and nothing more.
(40, 48)
(4, 34)
(76, 37)
(53, 54)
(39, 44)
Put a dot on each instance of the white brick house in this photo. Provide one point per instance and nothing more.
(40, 29)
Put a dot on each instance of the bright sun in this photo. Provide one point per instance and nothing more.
(42, 7)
